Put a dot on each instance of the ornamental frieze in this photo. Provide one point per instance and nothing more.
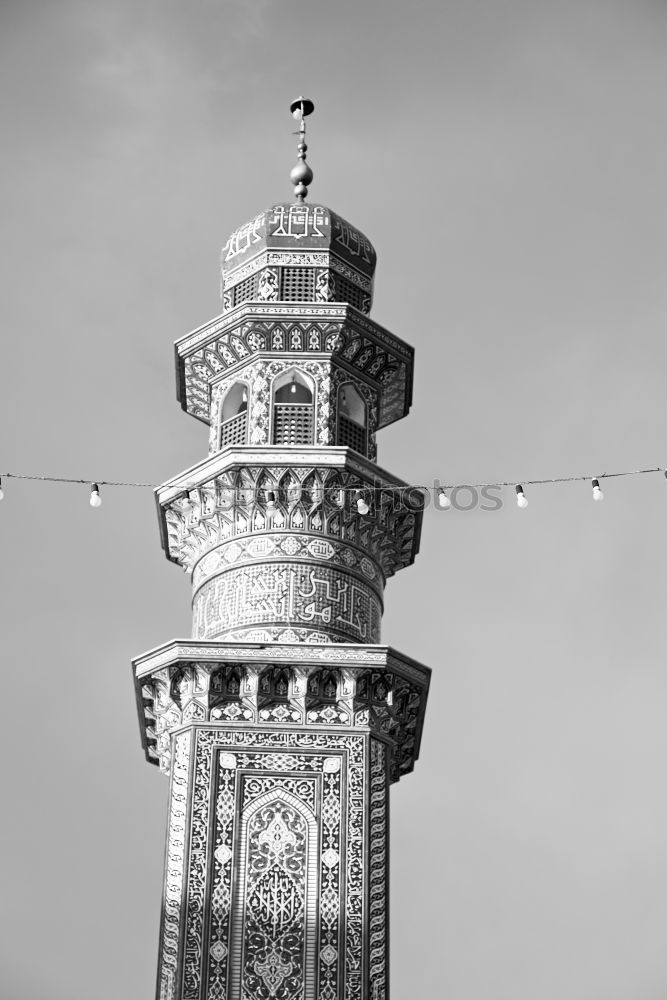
(291, 225)
(248, 499)
(387, 700)
(297, 258)
(228, 342)
(268, 547)
(299, 595)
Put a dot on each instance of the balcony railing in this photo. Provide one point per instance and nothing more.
(233, 431)
(293, 423)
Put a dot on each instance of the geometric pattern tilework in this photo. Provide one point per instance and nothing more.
(320, 598)
(267, 893)
(264, 546)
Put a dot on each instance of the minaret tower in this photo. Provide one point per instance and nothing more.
(283, 721)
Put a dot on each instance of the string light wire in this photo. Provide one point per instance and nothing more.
(65, 479)
(437, 490)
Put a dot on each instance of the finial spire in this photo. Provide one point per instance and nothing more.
(301, 175)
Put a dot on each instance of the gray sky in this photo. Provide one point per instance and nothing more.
(508, 161)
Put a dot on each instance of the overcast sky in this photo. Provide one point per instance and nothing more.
(508, 161)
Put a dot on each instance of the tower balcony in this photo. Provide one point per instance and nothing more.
(334, 340)
(365, 689)
(288, 544)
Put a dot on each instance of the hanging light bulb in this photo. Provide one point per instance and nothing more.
(95, 498)
(2, 492)
(292, 388)
(270, 500)
(362, 506)
(521, 500)
(443, 500)
(597, 492)
(244, 397)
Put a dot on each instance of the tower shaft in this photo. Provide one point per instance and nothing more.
(302, 911)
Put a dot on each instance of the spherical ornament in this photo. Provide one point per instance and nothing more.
(301, 174)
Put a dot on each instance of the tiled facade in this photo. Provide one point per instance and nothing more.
(282, 721)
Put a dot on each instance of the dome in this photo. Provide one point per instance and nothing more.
(298, 252)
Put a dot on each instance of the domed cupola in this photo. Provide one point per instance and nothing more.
(298, 252)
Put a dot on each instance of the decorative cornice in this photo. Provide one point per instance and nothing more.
(240, 456)
(297, 258)
(192, 683)
(226, 497)
(329, 331)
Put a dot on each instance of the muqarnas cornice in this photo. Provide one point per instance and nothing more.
(333, 332)
(313, 489)
(363, 688)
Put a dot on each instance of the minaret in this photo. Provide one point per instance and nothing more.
(282, 721)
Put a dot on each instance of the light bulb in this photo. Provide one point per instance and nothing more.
(521, 500)
(443, 500)
(292, 388)
(597, 492)
(270, 500)
(362, 506)
(95, 498)
(244, 397)
(2, 492)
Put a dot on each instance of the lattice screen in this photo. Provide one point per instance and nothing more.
(245, 289)
(297, 284)
(351, 434)
(233, 431)
(293, 423)
(347, 292)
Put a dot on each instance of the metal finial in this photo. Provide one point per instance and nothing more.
(301, 175)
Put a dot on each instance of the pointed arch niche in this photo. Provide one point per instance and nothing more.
(352, 430)
(234, 416)
(277, 852)
(293, 408)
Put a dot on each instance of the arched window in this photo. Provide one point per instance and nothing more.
(351, 418)
(234, 416)
(293, 410)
